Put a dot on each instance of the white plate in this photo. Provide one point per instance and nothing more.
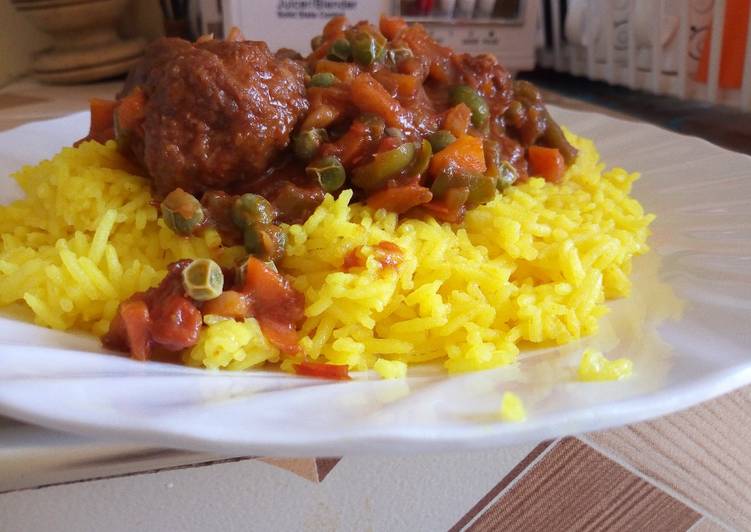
(687, 327)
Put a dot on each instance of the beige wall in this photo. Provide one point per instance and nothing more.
(19, 39)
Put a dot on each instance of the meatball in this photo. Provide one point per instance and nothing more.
(216, 112)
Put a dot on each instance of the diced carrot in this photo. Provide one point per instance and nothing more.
(400, 199)
(321, 116)
(130, 110)
(101, 128)
(370, 97)
(423, 45)
(345, 72)
(391, 26)
(546, 162)
(465, 154)
(335, 27)
(457, 120)
(323, 370)
(403, 85)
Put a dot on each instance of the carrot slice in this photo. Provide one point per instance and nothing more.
(400, 199)
(370, 97)
(457, 120)
(546, 162)
(464, 154)
(130, 110)
(102, 126)
(391, 26)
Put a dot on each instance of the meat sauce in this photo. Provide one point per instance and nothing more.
(409, 125)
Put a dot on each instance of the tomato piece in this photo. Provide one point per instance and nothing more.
(353, 259)
(273, 296)
(282, 334)
(323, 370)
(136, 323)
(400, 199)
(230, 304)
(546, 162)
(389, 254)
(176, 323)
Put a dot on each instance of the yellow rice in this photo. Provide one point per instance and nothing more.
(534, 266)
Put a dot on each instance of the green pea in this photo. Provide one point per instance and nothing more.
(316, 42)
(265, 241)
(322, 79)
(554, 137)
(328, 171)
(472, 99)
(203, 280)
(422, 161)
(394, 132)
(182, 212)
(340, 51)
(440, 139)
(394, 55)
(363, 48)
(384, 165)
(251, 208)
(305, 145)
(507, 175)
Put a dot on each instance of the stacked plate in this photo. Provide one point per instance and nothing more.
(86, 46)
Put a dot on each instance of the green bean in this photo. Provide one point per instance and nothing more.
(422, 161)
(481, 189)
(448, 180)
(305, 144)
(440, 139)
(514, 114)
(265, 241)
(507, 176)
(526, 92)
(384, 165)
(251, 208)
(328, 171)
(322, 79)
(340, 50)
(472, 99)
(182, 212)
(203, 280)
(553, 137)
(316, 42)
